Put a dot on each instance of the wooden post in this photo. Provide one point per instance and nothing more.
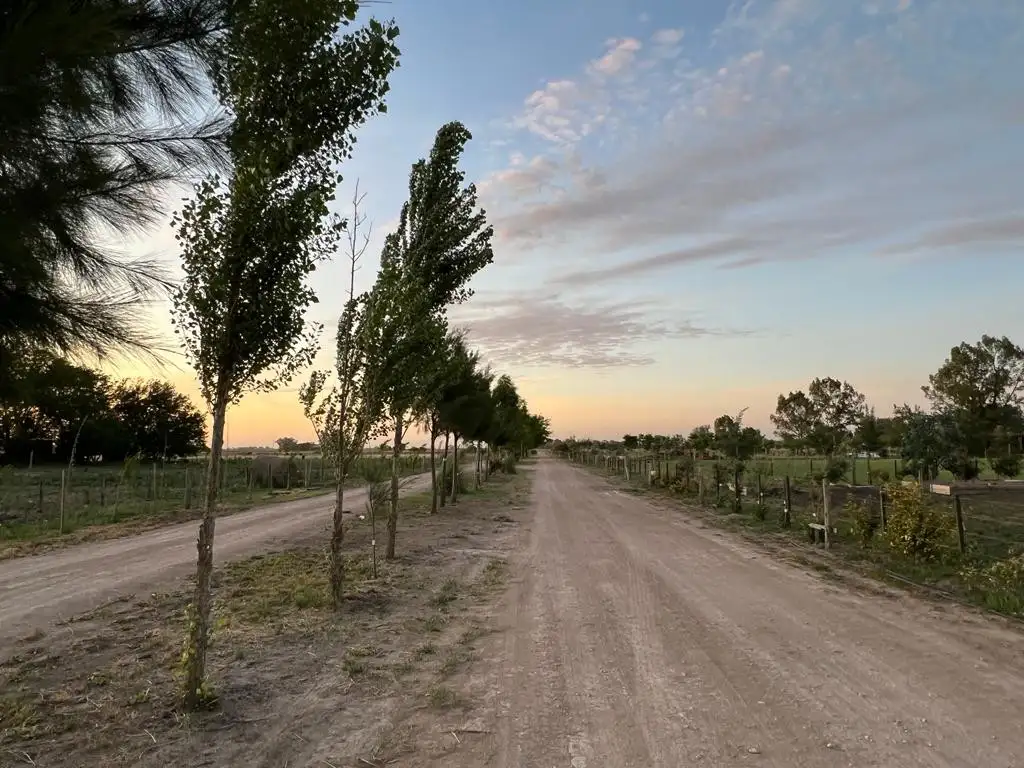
(60, 530)
(961, 531)
(103, 492)
(188, 489)
(787, 503)
(288, 474)
(154, 483)
(825, 513)
(718, 485)
(31, 459)
(881, 508)
(895, 470)
(700, 487)
(737, 480)
(40, 498)
(853, 471)
(760, 491)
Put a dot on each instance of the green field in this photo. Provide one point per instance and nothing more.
(34, 505)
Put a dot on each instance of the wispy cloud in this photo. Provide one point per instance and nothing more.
(544, 330)
(809, 128)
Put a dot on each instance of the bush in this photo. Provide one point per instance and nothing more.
(916, 528)
(864, 521)
(878, 477)
(1006, 466)
(508, 464)
(1001, 584)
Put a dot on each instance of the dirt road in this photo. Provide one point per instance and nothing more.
(37, 590)
(637, 637)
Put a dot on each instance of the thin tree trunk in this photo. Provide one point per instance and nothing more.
(433, 472)
(389, 553)
(199, 625)
(476, 484)
(444, 473)
(455, 469)
(337, 563)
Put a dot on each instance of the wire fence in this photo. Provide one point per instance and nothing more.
(966, 538)
(50, 499)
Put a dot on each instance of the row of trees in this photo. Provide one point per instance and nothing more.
(250, 241)
(976, 400)
(55, 410)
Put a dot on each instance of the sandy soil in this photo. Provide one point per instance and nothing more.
(37, 590)
(637, 637)
(629, 635)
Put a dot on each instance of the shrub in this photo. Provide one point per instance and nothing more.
(836, 469)
(1006, 465)
(878, 477)
(1001, 584)
(916, 528)
(508, 464)
(864, 521)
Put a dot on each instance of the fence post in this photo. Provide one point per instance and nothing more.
(103, 492)
(760, 491)
(40, 498)
(718, 485)
(188, 489)
(787, 503)
(853, 471)
(737, 480)
(825, 513)
(700, 487)
(961, 531)
(60, 530)
(881, 508)
(154, 483)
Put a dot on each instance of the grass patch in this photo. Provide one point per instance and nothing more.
(447, 594)
(271, 588)
(427, 649)
(442, 697)
(453, 660)
(495, 572)
(435, 622)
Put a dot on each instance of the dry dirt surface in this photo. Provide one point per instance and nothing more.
(636, 637)
(549, 622)
(37, 590)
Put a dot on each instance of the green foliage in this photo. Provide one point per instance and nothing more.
(92, 135)
(914, 527)
(933, 442)
(731, 439)
(702, 439)
(52, 401)
(250, 242)
(864, 520)
(1007, 465)
(981, 387)
(821, 418)
(1000, 583)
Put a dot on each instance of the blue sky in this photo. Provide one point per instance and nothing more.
(701, 205)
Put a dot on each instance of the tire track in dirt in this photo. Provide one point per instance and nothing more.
(640, 638)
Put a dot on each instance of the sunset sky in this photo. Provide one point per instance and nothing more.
(700, 205)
